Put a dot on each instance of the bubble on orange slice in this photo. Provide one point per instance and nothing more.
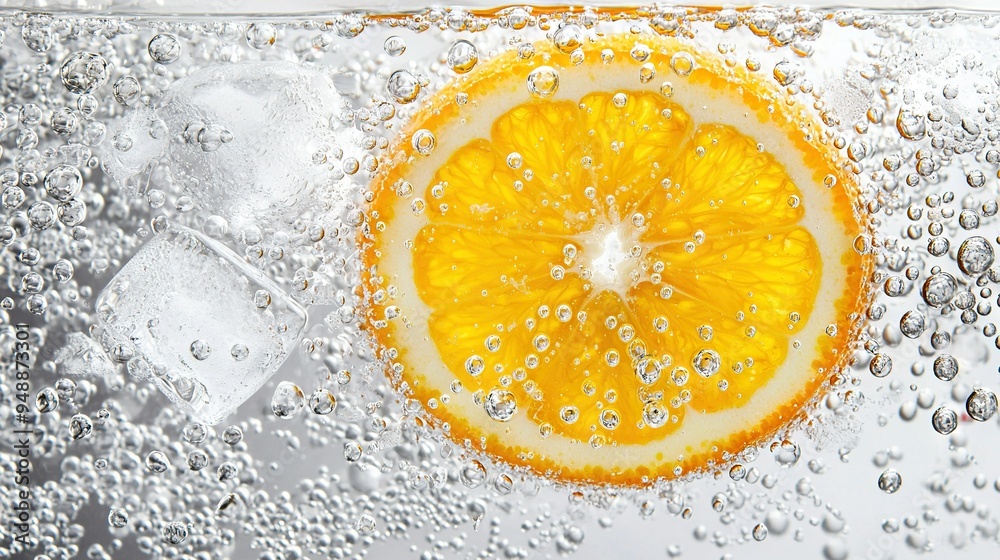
(615, 271)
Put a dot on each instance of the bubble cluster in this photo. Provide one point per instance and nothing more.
(329, 459)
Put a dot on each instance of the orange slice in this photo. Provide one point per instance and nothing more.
(629, 268)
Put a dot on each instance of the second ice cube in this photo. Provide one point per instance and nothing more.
(205, 327)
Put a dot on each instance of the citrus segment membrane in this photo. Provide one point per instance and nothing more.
(614, 282)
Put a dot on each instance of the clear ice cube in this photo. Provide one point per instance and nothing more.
(262, 144)
(258, 142)
(204, 326)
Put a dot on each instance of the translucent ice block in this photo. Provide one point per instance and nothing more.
(256, 142)
(205, 327)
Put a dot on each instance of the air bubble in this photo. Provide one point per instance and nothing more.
(239, 352)
(945, 367)
(569, 414)
(322, 402)
(156, 462)
(84, 72)
(911, 324)
(63, 182)
(881, 365)
(944, 420)
(682, 63)
(288, 400)
(543, 82)
(975, 179)
(46, 400)
(610, 419)
(424, 142)
(197, 460)
(640, 52)
(80, 426)
(890, 481)
(195, 432)
(568, 38)
(41, 215)
(938, 289)
(174, 533)
(118, 518)
(37, 33)
(352, 451)
(200, 350)
(648, 370)
(679, 376)
(938, 246)
(394, 45)
(164, 48)
(126, 90)
(981, 404)
(500, 405)
(365, 524)
(707, 363)
(473, 474)
(785, 73)
(910, 125)
(786, 452)
(514, 160)
(262, 299)
(540, 343)
(462, 57)
(230, 507)
(261, 35)
(503, 483)
(475, 365)
(647, 72)
(975, 255)
(654, 414)
(403, 86)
